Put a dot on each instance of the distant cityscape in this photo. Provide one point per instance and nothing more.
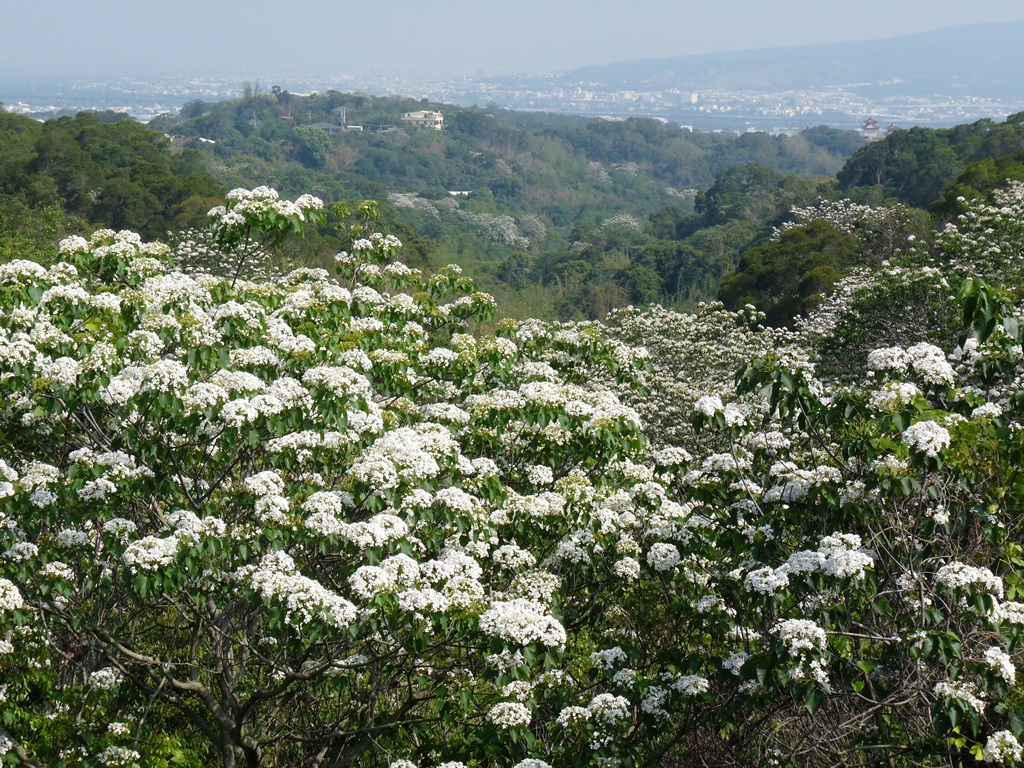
(781, 111)
(839, 106)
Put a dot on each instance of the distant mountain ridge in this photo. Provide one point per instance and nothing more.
(979, 60)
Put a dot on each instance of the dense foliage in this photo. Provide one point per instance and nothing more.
(532, 190)
(675, 258)
(310, 521)
(915, 165)
(565, 218)
(555, 167)
(789, 275)
(116, 174)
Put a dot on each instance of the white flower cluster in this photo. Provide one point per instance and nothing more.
(572, 716)
(496, 228)
(57, 570)
(734, 663)
(848, 217)
(394, 572)
(608, 709)
(246, 204)
(414, 201)
(663, 556)
(266, 483)
(691, 685)
(513, 557)
(957, 575)
(966, 692)
(341, 381)
(627, 568)
(407, 454)
(766, 581)
(800, 636)
(839, 555)
(105, 679)
(118, 757)
(927, 437)
(1000, 663)
(118, 728)
(151, 553)
(21, 552)
(509, 714)
(709, 405)
(1010, 612)
(531, 762)
(893, 395)
(1002, 747)
(608, 658)
(520, 690)
(163, 376)
(277, 578)
(926, 360)
(796, 483)
(523, 622)
(655, 700)
(10, 596)
(987, 411)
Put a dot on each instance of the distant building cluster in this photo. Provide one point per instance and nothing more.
(872, 131)
(777, 111)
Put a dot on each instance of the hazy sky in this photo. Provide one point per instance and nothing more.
(259, 37)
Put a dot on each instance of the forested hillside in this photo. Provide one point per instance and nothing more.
(520, 158)
(556, 216)
(915, 165)
(559, 217)
(570, 218)
(101, 169)
(887, 198)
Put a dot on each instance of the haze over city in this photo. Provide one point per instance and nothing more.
(447, 37)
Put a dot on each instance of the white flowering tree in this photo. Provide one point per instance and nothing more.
(690, 356)
(873, 532)
(301, 522)
(314, 522)
(250, 227)
(884, 231)
(906, 300)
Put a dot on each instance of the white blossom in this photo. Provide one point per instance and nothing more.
(1000, 663)
(927, 437)
(509, 714)
(1002, 747)
(523, 622)
(964, 691)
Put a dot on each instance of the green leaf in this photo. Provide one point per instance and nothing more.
(813, 700)
(1016, 722)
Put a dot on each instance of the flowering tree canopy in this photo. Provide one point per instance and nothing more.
(314, 521)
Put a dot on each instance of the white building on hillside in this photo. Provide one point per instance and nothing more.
(425, 119)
